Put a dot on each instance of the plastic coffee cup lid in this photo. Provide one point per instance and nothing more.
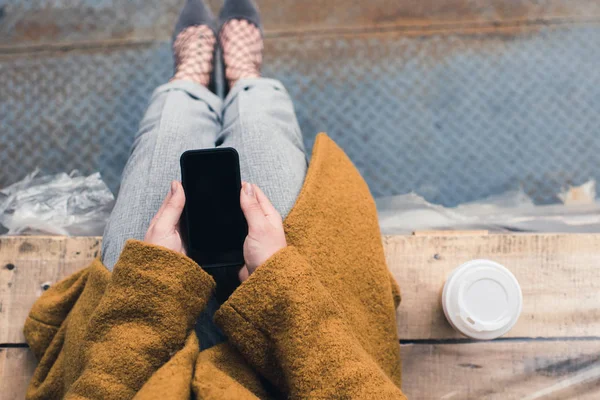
(482, 299)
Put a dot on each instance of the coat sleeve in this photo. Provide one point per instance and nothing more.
(144, 317)
(287, 325)
(50, 311)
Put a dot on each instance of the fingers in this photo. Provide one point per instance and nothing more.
(243, 274)
(162, 207)
(252, 209)
(170, 212)
(265, 204)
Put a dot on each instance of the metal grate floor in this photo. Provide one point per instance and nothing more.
(453, 117)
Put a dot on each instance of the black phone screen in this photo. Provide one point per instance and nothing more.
(213, 223)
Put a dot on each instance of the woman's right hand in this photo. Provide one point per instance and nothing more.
(265, 229)
(164, 228)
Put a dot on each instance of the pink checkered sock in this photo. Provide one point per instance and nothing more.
(193, 49)
(242, 46)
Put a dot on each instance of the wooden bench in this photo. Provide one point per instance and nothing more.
(552, 352)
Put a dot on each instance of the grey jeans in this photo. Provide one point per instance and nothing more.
(257, 119)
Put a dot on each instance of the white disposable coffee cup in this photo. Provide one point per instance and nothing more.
(482, 299)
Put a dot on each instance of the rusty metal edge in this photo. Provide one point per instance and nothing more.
(416, 28)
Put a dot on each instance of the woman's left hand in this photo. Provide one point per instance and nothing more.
(265, 229)
(164, 227)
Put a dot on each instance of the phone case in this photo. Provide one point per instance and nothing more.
(184, 220)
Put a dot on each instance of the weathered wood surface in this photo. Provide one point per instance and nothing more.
(559, 276)
(27, 265)
(491, 370)
(87, 21)
(502, 370)
(16, 368)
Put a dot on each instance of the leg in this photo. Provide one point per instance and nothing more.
(182, 115)
(260, 123)
(258, 116)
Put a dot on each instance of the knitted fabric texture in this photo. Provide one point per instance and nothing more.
(317, 320)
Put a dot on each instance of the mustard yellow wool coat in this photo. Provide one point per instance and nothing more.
(317, 320)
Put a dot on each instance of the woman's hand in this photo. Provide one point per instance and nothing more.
(164, 227)
(265, 229)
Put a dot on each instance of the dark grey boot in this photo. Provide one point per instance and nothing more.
(195, 12)
(239, 9)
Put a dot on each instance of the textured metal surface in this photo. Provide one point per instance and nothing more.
(452, 117)
(52, 21)
(76, 110)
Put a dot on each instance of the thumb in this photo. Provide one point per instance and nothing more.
(243, 274)
(173, 208)
(251, 207)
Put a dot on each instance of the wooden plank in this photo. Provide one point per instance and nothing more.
(16, 368)
(121, 20)
(559, 276)
(502, 370)
(557, 273)
(487, 370)
(27, 264)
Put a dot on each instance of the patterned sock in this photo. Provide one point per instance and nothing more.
(194, 49)
(242, 46)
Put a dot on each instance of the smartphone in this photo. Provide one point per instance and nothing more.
(213, 224)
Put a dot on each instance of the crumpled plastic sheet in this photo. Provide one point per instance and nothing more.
(61, 204)
(513, 211)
